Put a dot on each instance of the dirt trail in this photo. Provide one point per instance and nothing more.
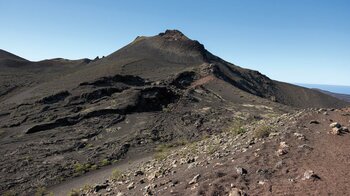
(96, 177)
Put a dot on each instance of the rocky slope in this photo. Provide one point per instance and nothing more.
(62, 118)
(301, 153)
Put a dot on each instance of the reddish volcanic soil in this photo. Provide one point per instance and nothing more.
(307, 147)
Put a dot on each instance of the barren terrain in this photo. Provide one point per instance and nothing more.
(62, 119)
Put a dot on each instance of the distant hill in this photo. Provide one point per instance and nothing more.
(340, 89)
(344, 97)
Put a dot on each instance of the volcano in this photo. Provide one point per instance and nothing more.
(57, 115)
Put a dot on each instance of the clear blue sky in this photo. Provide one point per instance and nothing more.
(305, 41)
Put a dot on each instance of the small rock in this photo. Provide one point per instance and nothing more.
(131, 186)
(174, 162)
(281, 152)
(191, 160)
(345, 129)
(241, 171)
(305, 146)
(314, 122)
(120, 194)
(335, 125)
(335, 131)
(236, 192)
(273, 134)
(194, 179)
(142, 181)
(99, 187)
(283, 145)
(152, 176)
(299, 136)
(309, 174)
(139, 173)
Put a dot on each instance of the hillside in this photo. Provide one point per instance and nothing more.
(9, 56)
(64, 118)
(340, 96)
(292, 154)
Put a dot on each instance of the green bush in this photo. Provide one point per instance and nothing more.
(81, 168)
(105, 162)
(262, 131)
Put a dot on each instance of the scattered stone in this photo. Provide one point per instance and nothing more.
(131, 186)
(99, 187)
(335, 131)
(283, 145)
(299, 136)
(174, 162)
(139, 173)
(194, 179)
(305, 146)
(152, 176)
(273, 134)
(345, 129)
(314, 122)
(236, 192)
(191, 160)
(281, 152)
(120, 194)
(335, 125)
(174, 183)
(241, 171)
(309, 174)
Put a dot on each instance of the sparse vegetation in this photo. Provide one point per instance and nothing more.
(166, 109)
(9, 193)
(81, 168)
(105, 162)
(90, 145)
(117, 175)
(87, 187)
(73, 192)
(236, 128)
(263, 131)
(212, 149)
(94, 167)
(163, 150)
(40, 191)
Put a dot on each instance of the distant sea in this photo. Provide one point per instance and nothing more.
(331, 88)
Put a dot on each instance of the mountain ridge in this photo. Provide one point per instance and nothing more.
(173, 52)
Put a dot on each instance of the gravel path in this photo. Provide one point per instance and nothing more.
(96, 177)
